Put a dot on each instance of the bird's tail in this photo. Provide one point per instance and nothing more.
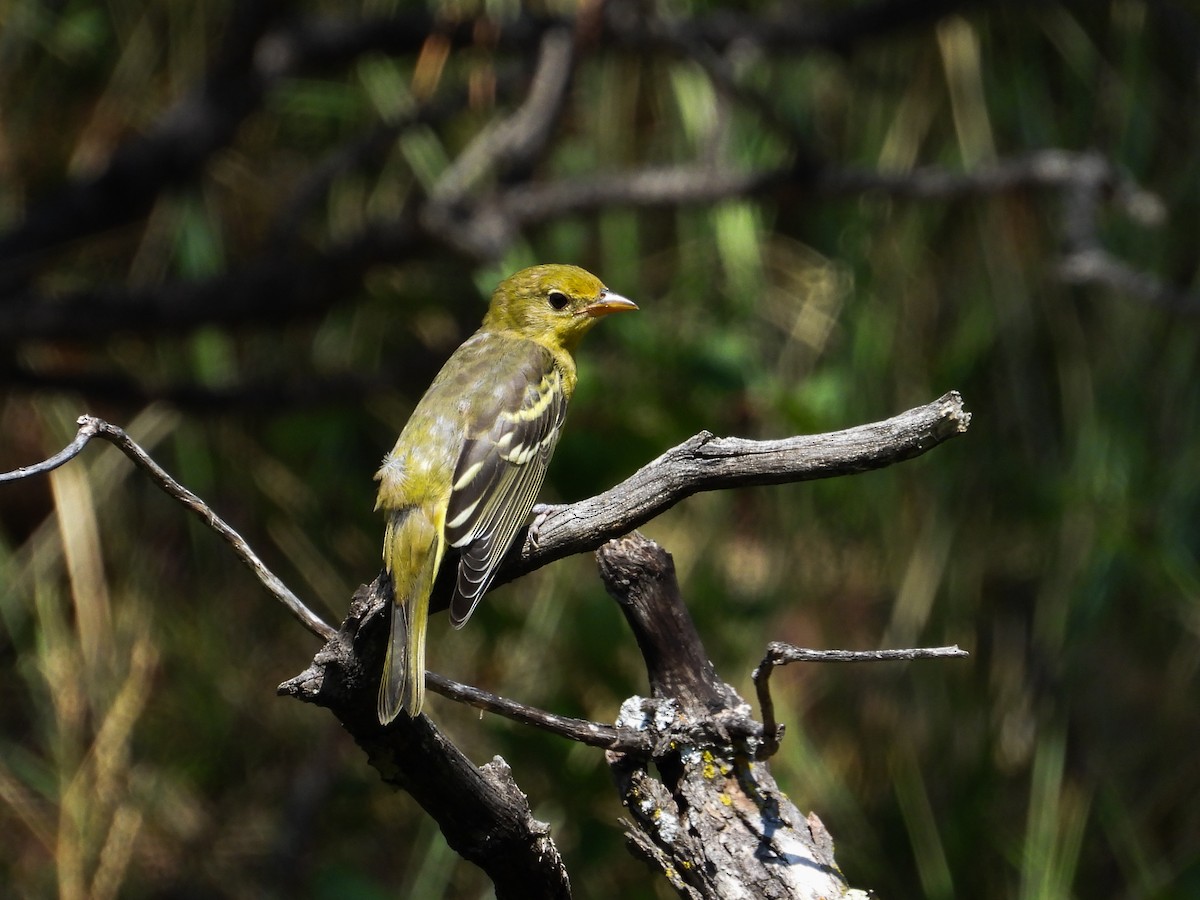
(412, 552)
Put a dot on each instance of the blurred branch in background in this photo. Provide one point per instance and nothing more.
(489, 195)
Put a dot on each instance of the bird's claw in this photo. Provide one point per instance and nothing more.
(541, 512)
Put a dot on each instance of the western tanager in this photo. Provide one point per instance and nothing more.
(468, 465)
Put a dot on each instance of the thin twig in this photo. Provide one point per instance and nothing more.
(90, 427)
(67, 454)
(781, 654)
(594, 734)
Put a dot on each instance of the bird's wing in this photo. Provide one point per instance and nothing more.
(499, 473)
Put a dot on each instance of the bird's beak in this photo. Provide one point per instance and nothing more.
(608, 303)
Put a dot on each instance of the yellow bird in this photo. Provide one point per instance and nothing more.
(467, 467)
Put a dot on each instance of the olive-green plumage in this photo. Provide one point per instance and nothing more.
(468, 465)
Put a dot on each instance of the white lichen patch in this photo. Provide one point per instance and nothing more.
(644, 714)
(667, 825)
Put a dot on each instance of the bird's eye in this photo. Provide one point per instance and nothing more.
(557, 299)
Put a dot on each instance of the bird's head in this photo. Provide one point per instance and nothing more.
(552, 303)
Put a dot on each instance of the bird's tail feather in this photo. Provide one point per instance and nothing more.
(412, 553)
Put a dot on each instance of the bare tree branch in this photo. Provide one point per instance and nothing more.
(683, 185)
(480, 810)
(594, 734)
(1086, 261)
(483, 814)
(259, 50)
(65, 455)
(780, 654)
(482, 228)
(702, 463)
(706, 463)
(716, 824)
(92, 427)
(344, 674)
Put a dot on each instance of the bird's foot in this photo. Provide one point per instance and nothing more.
(541, 512)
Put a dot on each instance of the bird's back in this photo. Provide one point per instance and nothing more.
(488, 373)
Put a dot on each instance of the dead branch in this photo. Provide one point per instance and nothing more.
(481, 811)
(781, 654)
(593, 734)
(92, 427)
(484, 816)
(481, 226)
(344, 674)
(714, 822)
(702, 463)
(707, 463)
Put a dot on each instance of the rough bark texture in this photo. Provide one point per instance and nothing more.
(715, 823)
(482, 813)
(705, 462)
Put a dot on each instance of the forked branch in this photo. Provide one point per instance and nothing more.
(481, 811)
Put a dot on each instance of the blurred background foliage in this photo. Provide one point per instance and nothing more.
(142, 750)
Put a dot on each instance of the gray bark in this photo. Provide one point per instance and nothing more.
(714, 821)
